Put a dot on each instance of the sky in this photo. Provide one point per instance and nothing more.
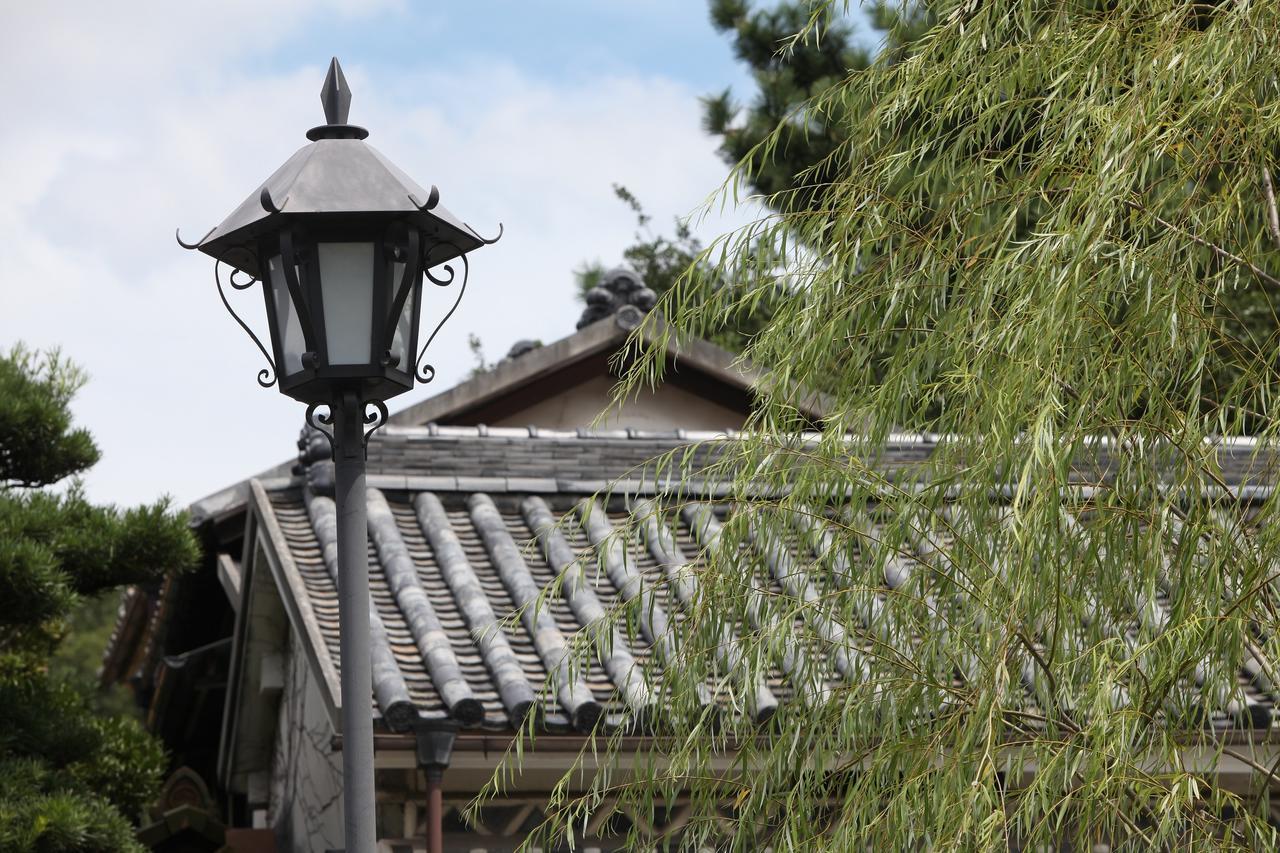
(128, 120)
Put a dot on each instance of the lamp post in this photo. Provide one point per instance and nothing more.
(341, 240)
(435, 738)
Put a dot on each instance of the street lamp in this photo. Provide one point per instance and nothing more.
(341, 240)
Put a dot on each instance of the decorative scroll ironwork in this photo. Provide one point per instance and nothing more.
(266, 377)
(177, 235)
(424, 373)
(427, 372)
(488, 241)
(374, 420)
(268, 203)
(433, 198)
(320, 417)
(322, 422)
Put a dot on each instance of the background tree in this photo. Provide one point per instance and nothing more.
(786, 143)
(661, 261)
(787, 75)
(71, 779)
(1036, 225)
(658, 259)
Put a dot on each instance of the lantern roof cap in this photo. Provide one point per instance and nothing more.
(337, 174)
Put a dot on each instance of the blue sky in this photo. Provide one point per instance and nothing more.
(558, 40)
(128, 120)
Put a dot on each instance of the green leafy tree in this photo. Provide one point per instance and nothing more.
(1039, 224)
(662, 261)
(77, 658)
(787, 76)
(787, 143)
(71, 779)
(786, 149)
(659, 260)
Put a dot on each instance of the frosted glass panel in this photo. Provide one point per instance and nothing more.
(291, 340)
(404, 331)
(346, 287)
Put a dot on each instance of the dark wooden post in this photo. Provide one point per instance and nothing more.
(435, 810)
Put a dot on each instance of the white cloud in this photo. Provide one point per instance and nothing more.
(141, 124)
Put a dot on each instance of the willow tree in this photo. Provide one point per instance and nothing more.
(1032, 227)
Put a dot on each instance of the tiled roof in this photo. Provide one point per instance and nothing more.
(447, 570)
(463, 534)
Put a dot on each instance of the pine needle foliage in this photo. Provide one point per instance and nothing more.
(1027, 251)
(71, 780)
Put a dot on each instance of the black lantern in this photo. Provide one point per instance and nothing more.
(341, 239)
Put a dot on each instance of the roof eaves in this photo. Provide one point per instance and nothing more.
(296, 601)
(130, 623)
(225, 503)
(231, 699)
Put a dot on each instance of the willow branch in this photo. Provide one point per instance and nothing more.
(1263, 771)
(1216, 249)
(1273, 216)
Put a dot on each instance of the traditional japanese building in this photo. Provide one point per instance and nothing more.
(236, 664)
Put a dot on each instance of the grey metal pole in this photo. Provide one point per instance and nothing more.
(353, 625)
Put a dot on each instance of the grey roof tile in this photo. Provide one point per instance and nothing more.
(482, 484)
(552, 646)
(514, 690)
(532, 484)
(389, 686)
(429, 634)
(577, 588)
(464, 548)
(421, 483)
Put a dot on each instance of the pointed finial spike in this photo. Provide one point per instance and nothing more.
(336, 95)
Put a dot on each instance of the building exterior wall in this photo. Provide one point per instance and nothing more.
(665, 408)
(306, 772)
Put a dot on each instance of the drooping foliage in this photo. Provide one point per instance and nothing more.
(787, 149)
(71, 779)
(785, 80)
(1039, 222)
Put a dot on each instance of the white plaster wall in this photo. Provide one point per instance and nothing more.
(665, 408)
(306, 773)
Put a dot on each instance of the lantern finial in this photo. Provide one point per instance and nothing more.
(336, 95)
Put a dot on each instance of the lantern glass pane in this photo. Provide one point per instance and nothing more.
(403, 336)
(291, 342)
(346, 289)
